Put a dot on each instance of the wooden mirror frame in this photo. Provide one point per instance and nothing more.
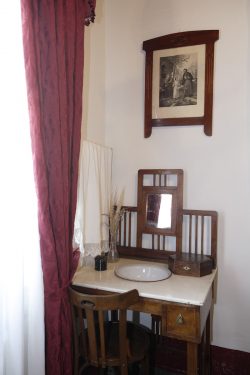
(183, 39)
(162, 187)
(158, 190)
(189, 227)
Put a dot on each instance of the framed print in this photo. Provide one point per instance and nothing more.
(179, 80)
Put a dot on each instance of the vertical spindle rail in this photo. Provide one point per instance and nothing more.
(125, 226)
(195, 221)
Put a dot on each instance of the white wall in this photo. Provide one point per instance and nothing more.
(93, 124)
(216, 169)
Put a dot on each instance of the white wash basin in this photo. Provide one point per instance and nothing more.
(143, 271)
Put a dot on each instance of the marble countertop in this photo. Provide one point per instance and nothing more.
(181, 289)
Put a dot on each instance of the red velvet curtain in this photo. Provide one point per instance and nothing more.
(53, 37)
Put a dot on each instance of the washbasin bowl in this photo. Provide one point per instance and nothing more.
(143, 271)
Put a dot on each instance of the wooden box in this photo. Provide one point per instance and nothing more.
(190, 264)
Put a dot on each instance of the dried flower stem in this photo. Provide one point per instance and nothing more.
(116, 212)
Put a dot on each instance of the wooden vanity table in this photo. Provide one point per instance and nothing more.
(159, 229)
(182, 302)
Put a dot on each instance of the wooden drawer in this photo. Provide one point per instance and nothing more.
(183, 322)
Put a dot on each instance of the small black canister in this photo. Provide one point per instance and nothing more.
(100, 263)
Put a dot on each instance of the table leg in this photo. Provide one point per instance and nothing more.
(192, 357)
(202, 360)
(208, 347)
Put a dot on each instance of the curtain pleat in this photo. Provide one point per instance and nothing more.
(53, 37)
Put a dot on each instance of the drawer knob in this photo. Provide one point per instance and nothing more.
(186, 268)
(179, 319)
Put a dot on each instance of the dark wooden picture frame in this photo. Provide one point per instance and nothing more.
(198, 43)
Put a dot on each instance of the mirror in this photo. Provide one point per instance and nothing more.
(158, 210)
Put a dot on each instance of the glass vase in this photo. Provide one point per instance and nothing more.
(113, 255)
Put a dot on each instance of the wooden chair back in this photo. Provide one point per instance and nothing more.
(90, 334)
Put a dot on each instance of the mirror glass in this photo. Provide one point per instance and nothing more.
(159, 207)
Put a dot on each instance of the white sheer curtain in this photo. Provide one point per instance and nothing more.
(93, 195)
(21, 286)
